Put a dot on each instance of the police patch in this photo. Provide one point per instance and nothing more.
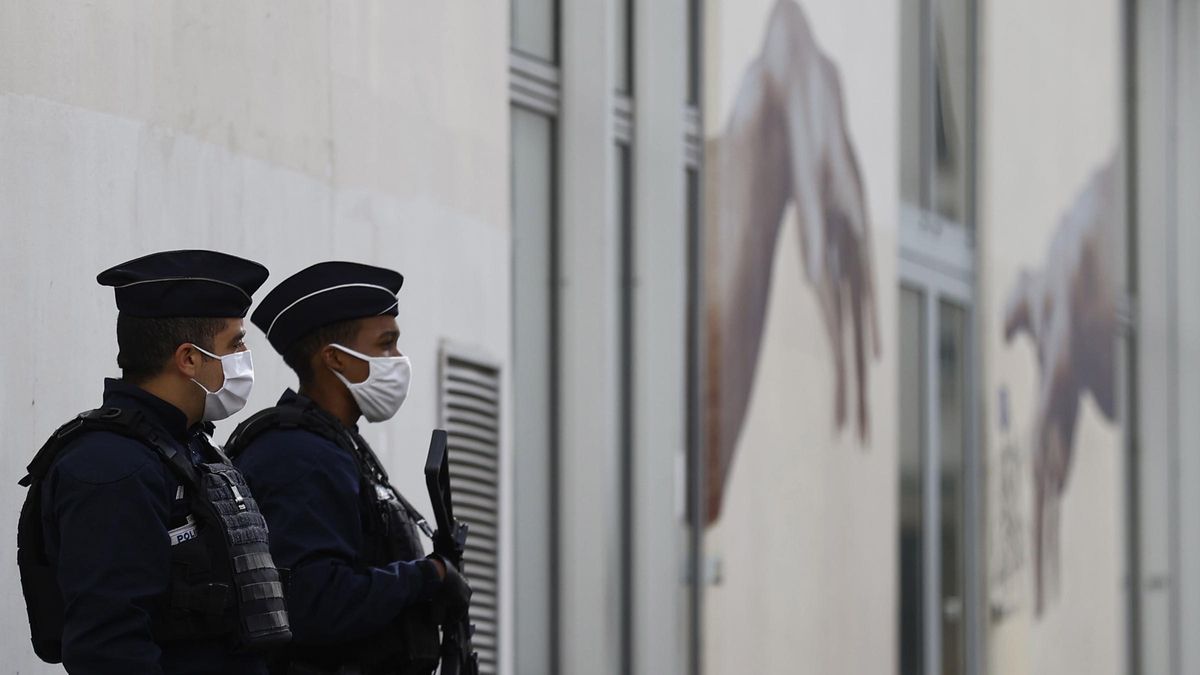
(183, 533)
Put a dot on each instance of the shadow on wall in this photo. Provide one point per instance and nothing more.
(1068, 308)
(786, 143)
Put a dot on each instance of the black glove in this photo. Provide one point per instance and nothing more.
(453, 597)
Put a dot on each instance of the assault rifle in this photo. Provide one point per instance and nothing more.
(457, 655)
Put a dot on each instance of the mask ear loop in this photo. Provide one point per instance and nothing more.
(351, 352)
(204, 351)
(346, 381)
(210, 355)
(361, 357)
(206, 390)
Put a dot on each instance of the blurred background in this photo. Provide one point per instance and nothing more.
(772, 336)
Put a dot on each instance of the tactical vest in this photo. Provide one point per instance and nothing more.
(390, 523)
(239, 595)
(390, 532)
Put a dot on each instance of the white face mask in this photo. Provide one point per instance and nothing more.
(383, 392)
(233, 394)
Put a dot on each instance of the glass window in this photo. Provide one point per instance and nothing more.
(952, 424)
(950, 87)
(693, 52)
(534, 26)
(913, 184)
(937, 171)
(952, 420)
(533, 386)
(623, 49)
(936, 62)
(912, 444)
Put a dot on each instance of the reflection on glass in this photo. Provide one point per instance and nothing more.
(952, 414)
(534, 28)
(912, 441)
(533, 325)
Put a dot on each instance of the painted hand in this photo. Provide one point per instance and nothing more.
(1068, 310)
(786, 143)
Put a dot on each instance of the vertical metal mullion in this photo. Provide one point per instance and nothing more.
(557, 43)
(971, 215)
(555, 422)
(1171, 208)
(932, 489)
(625, 405)
(696, 248)
(976, 521)
(632, 58)
(556, 433)
(696, 504)
(1133, 573)
(931, 451)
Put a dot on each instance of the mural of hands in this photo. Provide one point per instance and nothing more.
(1068, 308)
(786, 143)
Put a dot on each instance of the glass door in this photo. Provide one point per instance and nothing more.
(936, 530)
(939, 531)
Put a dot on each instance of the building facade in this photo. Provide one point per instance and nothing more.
(780, 336)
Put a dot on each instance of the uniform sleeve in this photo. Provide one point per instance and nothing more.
(109, 508)
(307, 488)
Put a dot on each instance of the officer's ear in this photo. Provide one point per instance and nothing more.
(332, 358)
(186, 360)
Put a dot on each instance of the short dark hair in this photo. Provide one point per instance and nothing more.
(299, 356)
(146, 344)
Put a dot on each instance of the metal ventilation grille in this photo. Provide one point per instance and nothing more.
(470, 400)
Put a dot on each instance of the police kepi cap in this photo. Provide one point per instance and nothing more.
(323, 294)
(184, 284)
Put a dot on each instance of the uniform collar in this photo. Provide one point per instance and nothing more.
(122, 394)
(300, 400)
(290, 397)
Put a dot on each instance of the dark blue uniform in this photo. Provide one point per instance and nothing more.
(109, 504)
(309, 490)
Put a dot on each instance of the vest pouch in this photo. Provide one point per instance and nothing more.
(257, 591)
(39, 583)
(403, 538)
(197, 604)
(39, 579)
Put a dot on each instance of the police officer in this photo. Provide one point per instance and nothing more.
(153, 578)
(361, 596)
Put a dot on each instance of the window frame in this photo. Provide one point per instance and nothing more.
(937, 257)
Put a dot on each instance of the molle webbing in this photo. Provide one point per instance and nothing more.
(262, 613)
